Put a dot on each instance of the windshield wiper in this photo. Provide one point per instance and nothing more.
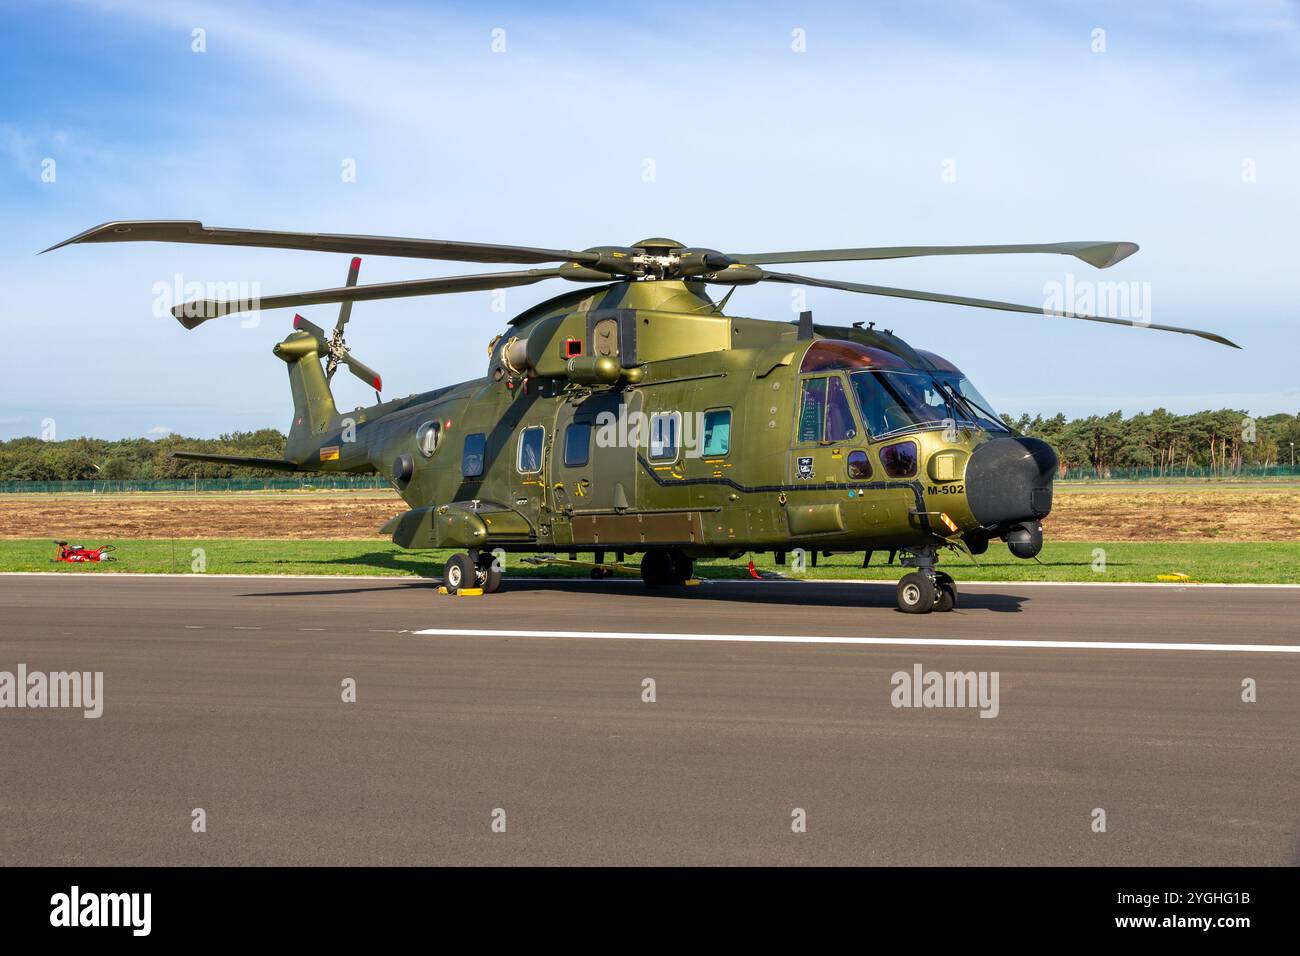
(914, 427)
(961, 400)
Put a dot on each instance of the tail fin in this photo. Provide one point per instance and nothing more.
(313, 403)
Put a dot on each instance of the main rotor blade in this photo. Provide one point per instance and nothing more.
(1099, 254)
(194, 313)
(178, 230)
(981, 304)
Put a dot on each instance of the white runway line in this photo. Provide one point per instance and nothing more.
(872, 641)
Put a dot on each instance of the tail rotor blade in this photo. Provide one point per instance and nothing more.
(363, 372)
(345, 310)
(306, 325)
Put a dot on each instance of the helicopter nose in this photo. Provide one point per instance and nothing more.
(1009, 480)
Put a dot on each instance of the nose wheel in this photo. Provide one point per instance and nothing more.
(921, 592)
(458, 572)
(471, 571)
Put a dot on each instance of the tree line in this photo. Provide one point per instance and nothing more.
(1224, 442)
(89, 459)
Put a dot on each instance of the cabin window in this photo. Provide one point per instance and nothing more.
(529, 461)
(899, 459)
(665, 434)
(471, 459)
(577, 444)
(717, 433)
(859, 464)
(426, 437)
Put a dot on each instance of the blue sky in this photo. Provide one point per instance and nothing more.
(1183, 136)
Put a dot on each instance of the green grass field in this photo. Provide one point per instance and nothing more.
(1219, 562)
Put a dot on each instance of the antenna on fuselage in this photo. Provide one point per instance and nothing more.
(805, 326)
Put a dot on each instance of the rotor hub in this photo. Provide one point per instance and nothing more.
(657, 259)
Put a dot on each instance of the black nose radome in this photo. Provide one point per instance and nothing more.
(1009, 480)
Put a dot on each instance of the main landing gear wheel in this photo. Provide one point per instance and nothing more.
(660, 568)
(656, 569)
(916, 593)
(459, 572)
(946, 598)
(683, 567)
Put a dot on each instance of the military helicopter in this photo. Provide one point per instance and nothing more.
(636, 416)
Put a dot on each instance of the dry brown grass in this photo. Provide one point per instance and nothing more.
(1133, 513)
(1176, 514)
(296, 515)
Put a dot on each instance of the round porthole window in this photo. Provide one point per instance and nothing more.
(426, 437)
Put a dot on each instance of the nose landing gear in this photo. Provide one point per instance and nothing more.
(916, 593)
(473, 570)
(925, 589)
(458, 572)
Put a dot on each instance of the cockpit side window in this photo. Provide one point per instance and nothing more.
(825, 414)
(840, 425)
(812, 410)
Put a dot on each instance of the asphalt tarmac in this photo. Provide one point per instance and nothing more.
(225, 695)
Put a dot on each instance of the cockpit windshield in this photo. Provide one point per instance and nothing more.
(980, 406)
(895, 400)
